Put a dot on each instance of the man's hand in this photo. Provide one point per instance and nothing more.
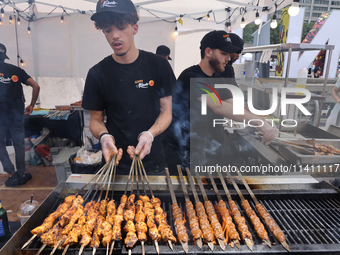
(28, 110)
(144, 145)
(109, 149)
(268, 132)
(131, 151)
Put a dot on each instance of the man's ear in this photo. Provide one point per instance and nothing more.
(135, 28)
(208, 52)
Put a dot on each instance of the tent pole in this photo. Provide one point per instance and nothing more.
(31, 11)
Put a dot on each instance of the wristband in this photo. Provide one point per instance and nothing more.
(144, 132)
(106, 134)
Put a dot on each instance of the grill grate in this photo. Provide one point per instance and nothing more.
(310, 224)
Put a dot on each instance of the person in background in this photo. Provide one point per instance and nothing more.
(12, 110)
(229, 69)
(317, 72)
(216, 47)
(164, 51)
(133, 88)
(331, 120)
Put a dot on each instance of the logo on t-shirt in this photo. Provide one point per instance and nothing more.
(151, 83)
(5, 80)
(15, 78)
(141, 85)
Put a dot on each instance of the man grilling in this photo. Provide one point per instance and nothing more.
(132, 87)
(216, 47)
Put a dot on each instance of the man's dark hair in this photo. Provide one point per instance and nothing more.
(120, 20)
(202, 53)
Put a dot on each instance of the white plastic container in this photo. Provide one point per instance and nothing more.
(28, 146)
(302, 79)
(26, 210)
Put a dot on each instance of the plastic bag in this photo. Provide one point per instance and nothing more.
(88, 157)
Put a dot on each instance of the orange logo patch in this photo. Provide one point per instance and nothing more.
(151, 83)
(139, 81)
(1, 74)
(15, 78)
(224, 36)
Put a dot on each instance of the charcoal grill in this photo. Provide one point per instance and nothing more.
(308, 218)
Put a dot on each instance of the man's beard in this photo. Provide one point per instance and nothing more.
(216, 65)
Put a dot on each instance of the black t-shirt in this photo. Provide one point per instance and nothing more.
(129, 94)
(183, 108)
(11, 93)
(11, 78)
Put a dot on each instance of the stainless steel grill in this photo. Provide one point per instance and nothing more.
(308, 218)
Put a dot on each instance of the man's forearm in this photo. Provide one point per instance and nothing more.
(97, 128)
(35, 94)
(161, 124)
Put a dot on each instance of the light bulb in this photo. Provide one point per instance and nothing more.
(243, 23)
(294, 9)
(28, 30)
(18, 20)
(208, 17)
(10, 19)
(257, 20)
(2, 12)
(176, 31)
(62, 19)
(273, 24)
(22, 63)
(0, 22)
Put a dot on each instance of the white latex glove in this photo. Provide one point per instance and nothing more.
(268, 132)
(145, 140)
(109, 149)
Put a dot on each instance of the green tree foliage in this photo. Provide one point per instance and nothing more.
(275, 34)
(248, 32)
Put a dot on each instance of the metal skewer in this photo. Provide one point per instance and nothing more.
(174, 201)
(187, 199)
(219, 198)
(226, 190)
(41, 249)
(205, 198)
(197, 200)
(284, 243)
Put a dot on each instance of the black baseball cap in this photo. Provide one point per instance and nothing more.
(164, 51)
(236, 41)
(219, 40)
(3, 51)
(115, 6)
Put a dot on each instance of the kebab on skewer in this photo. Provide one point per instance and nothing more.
(191, 213)
(210, 210)
(270, 223)
(208, 234)
(163, 226)
(228, 225)
(258, 226)
(181, 229)
(238, 218)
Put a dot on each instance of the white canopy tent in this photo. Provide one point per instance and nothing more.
(59, 55)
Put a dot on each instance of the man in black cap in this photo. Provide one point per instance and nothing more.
(216, 47)
(12, 110)
(163, 51)
(132, 87)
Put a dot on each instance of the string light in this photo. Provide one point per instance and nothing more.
(228, 25)
(0, 22)
(243, 23)
(2, 12)
(22, 63)
(10, 19)
(257, 20)
(273, 24)
(176, 31)
(208, 17)
(294, 8)
(62, 19)
(28, 30)
(18, 20)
